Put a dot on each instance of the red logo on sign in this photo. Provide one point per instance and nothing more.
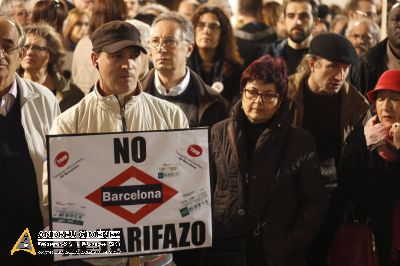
(132, 172)
(61, 159)
(194, 150)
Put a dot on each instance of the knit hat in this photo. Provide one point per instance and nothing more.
(334, 47)
(116, 35)
(389, 81)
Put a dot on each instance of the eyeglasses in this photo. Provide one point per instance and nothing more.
(267, 97)
(366, 14)
(166, 42)
(35, 48)
(8, 49)
(213, 26)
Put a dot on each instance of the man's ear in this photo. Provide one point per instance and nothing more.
(94, 59)
(311, 64)
(189, 49)
(22, 53)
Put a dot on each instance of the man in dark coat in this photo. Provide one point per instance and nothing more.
(254, 34)
(300, 17)
(383, 56)
(171, 43)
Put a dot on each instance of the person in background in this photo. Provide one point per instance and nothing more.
(363, 34)
(370, 169)
(358, 9)
(339, 24)
(27, 112)
(144, 30)
(300, 17)
(268, 199)
(271, 12)
(84, 74)
(44, 55)
(254, 33)
(383, 56)
(52, 12)
(75, 28)
(187, 8)
(171, 43)
(84, 5)
(133, 7)
(215, 57)
(19, 10)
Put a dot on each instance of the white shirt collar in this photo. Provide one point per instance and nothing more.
(174, 91)
(13, 91)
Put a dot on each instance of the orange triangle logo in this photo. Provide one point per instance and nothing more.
(24, 243)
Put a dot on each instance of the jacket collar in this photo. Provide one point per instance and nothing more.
(26, 92)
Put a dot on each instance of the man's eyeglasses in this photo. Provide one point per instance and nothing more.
(35, 48)
(213, 26)
(8, 49)
(366, 14)
(267, 97)
(166, 42)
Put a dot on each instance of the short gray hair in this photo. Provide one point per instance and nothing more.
(185, 24)
(373, 28)
(20, 30)
(7, 6)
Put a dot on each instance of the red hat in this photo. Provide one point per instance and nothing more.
(389, 81)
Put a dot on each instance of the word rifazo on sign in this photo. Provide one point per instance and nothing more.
(151, 187)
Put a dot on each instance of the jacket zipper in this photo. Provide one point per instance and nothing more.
(122, 112)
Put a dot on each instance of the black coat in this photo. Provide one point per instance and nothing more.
(371, 186)
(248, 191)
(365, 75)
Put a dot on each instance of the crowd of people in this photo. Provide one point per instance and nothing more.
(303, 102)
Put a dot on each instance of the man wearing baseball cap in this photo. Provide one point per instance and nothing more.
(325, 104)
(118, 103)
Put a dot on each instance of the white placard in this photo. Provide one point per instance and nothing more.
(153, 188)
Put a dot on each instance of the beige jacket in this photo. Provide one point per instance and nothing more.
(96, 114)
(38, 111)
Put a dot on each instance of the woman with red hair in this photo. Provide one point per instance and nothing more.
(268, 199)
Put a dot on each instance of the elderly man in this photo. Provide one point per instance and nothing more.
(171, 43)
(300, 17)
(363, 34)
(117, 102)
(325, 104)
(383, 56)
(27, 111)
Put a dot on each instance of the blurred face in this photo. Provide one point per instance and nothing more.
(186, 9)
(298, 21)
(119, 71)
(365, 9)
(260, 101)
(133, 6)
(208, 32)
(169, 51)
(393, 26)
(84, 5)
(80, 29)
(388, 107)
(21, 15)
(37, 56)
(361, 38)
(10, 54)
(327, 77)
